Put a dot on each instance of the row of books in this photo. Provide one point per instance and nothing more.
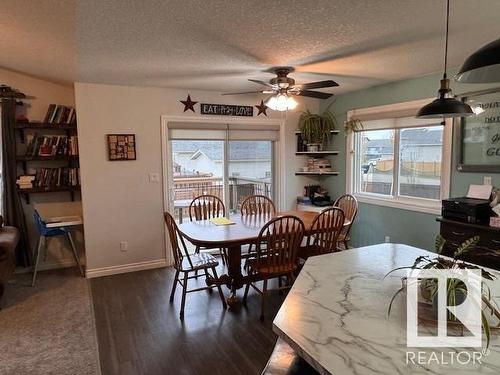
(47, 145)
(318, 165)
(60, 114)
(56, 177)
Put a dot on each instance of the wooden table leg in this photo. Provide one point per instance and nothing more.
(235, 280)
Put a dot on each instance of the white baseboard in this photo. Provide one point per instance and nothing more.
(131, 267)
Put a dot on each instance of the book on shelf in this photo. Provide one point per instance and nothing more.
(60, 114)
(51, 145)
(25, 181)
(57, 177)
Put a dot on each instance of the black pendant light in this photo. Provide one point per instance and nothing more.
(445, 105)
(483, 66)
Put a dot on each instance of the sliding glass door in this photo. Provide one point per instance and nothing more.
(219, 163)
(250, 169)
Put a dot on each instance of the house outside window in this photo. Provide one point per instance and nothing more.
(399, 161)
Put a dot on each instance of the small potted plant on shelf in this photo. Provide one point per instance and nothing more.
(316, 129)
(456, 289)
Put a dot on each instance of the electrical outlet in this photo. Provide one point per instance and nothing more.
(154, 178)
(387, 239)
(487, 180)
(124, 246)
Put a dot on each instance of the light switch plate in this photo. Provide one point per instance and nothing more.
(487, 180)
(154, 178)
(123, 246)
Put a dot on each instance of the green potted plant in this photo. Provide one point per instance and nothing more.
(316, 129)
(456, 289)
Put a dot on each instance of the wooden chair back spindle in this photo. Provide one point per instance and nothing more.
(325, 231)
(281, 238)
(206, 207)
(174, 236)
(258, 205)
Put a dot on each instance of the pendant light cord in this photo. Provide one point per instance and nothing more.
(446, 40)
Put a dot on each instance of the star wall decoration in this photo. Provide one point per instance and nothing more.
(262, 108)
(188, 104)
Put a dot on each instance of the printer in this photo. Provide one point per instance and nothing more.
(468, 210)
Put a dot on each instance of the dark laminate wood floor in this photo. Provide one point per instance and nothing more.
(139, 331)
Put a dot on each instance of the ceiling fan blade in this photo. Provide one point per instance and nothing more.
(244, 92)
(315, 94)
(262, 83)
(317, 85)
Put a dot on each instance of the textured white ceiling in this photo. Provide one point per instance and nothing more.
(217, 44)
(37, 37)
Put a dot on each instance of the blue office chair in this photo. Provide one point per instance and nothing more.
(50, 232)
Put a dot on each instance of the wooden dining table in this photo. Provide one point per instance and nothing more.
(244, 231)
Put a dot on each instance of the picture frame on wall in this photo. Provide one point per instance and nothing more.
(121, 147)
(478, 136)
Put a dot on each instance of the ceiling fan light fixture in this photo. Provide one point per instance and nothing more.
(281, 102)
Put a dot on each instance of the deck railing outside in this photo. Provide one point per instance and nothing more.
(187, 188)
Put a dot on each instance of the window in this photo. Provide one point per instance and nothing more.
(399, 161)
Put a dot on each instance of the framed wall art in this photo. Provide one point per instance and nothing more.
(121, 147)
(478, 136)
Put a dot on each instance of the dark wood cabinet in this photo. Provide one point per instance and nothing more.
(486, 254)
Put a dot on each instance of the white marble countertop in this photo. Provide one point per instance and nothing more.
(335, 316)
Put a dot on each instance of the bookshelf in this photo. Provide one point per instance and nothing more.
(315, 155)
(50, 150)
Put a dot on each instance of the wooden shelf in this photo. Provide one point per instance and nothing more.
(49, 189)
(297, 132)
(43, 125)
(46, 158)
(319, 153)
(316, 173)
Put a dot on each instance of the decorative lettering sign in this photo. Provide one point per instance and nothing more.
(226, 110)
(479, 149)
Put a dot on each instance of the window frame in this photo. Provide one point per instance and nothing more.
(392, 111)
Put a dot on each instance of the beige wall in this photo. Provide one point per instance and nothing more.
(41, 93)
(118, 201)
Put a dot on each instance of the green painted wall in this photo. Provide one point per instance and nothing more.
(375, 222)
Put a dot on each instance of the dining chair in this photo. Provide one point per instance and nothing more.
(186, 264)
(205, 207)
(277, 251)
(349, 204)
(257, 205)
(325, 231)
(45, 233)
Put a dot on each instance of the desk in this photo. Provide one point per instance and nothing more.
(335, 316)
(245, 231)
(60, 214)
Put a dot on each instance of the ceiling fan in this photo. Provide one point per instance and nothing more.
(283, 88)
